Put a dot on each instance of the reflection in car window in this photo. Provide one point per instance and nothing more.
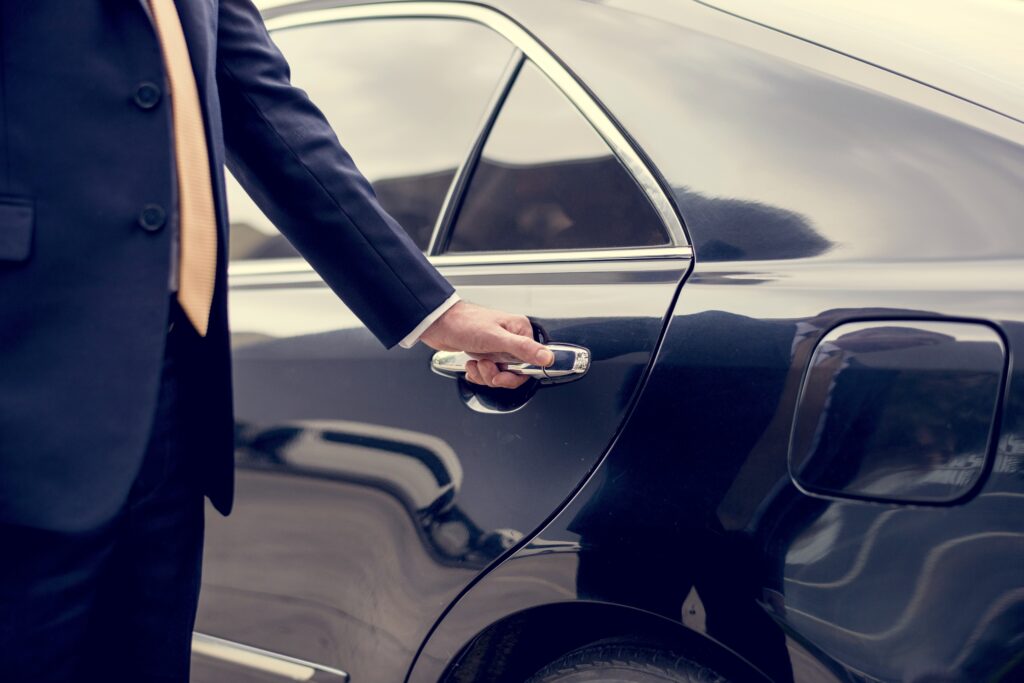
(406, 98)
(546, 180)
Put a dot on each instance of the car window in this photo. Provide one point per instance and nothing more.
(406, 98)
(547, 180)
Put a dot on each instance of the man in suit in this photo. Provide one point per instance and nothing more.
(115, 394)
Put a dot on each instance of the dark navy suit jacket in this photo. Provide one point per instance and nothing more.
(86, 195)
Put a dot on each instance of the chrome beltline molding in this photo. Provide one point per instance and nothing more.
(536, 52)
(255, 659)
(297, 270)
(590, 255)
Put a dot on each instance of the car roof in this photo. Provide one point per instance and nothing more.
(970, 48)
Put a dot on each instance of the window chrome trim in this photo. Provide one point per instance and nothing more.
(299, 265)
(297, 270)
(270, 266)
(264, 5)
(255, 659)
(592, 255)
(536, 52)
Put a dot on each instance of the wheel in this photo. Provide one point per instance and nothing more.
(624, 663)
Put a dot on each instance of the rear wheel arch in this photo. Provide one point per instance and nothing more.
(517, 646)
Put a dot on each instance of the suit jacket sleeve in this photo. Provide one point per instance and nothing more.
(284, 153)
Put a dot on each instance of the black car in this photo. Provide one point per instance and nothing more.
(780, 249)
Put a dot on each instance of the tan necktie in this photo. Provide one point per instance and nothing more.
(197, 269)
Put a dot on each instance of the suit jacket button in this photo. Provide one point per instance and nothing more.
(152, 217)
(147, 95)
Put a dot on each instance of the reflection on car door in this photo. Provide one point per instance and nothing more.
(372, 491)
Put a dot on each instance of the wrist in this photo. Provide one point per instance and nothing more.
(435, 331)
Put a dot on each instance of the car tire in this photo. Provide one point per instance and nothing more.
(624, 663)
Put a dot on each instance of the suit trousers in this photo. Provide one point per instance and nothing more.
(116, 603)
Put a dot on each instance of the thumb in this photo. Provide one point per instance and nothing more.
(526, 349)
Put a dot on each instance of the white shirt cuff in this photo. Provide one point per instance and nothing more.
(414, 336)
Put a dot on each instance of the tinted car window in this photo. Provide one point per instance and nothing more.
(406, 98)
(547, 180)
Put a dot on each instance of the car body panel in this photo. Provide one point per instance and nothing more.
(702, 481)
(817, 191)
(369, 494)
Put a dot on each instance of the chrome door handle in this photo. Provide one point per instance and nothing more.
(571, 362)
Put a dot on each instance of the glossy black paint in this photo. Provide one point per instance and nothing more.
(369, 494)
(375, 511)
(695, 519)
(817, 191)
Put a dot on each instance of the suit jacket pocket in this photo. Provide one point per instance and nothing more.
(16, 219)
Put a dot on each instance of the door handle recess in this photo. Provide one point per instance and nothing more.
(571, 362)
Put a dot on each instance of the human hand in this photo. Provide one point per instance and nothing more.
(492, 337)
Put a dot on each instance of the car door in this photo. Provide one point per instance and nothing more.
(371, 490)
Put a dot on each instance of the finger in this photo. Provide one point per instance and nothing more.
(509, 380)
(525, 349)
(473, 373)
(488, 371)
(518, 324)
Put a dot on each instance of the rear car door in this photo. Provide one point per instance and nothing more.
(371, 490)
